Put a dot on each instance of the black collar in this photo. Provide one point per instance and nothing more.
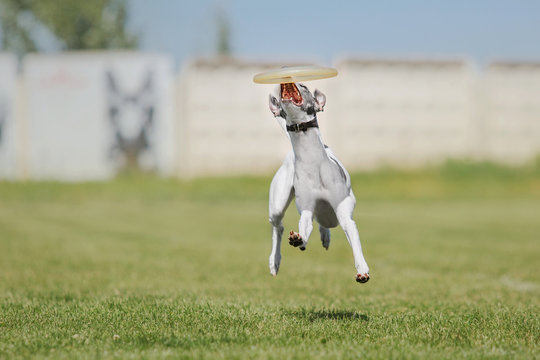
(303, 126)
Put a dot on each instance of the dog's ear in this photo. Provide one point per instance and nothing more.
(320, 100)
(275, 106)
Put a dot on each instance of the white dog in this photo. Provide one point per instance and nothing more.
(312, 174)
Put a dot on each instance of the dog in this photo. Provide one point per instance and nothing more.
(313, 175)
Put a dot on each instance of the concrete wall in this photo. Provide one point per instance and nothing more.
(402, 113)
(84, 116)
(225, 124)
(509, 112)
(379, 112)
(9, 132)
(89, 116)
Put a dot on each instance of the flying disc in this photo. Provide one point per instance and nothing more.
(294, 74)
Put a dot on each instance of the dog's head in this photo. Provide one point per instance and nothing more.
(296, 104)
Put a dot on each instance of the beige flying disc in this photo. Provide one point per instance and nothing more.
(294, 74)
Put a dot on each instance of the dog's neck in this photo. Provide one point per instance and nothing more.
(308, 146)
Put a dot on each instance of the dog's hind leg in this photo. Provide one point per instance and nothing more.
(281, 194)
(344, 214)
(325, 236)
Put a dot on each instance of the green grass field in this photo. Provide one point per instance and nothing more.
(153, 268)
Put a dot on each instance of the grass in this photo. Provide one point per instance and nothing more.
(156, 268)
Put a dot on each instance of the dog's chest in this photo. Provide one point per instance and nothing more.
(318, 181)
(307, 177)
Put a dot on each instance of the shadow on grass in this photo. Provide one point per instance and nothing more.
(312, 315)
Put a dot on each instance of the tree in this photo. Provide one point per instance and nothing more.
(76, 24)
(15, 35)
(223, 33)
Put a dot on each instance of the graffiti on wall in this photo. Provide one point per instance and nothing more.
(131, 113)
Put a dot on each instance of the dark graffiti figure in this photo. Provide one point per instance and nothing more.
(131, 114)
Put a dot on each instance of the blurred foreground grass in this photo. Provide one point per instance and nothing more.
(147, 267)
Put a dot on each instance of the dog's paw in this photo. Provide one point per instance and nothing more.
(362, 278)
(295, 239)
(273, 264)
(274, 269)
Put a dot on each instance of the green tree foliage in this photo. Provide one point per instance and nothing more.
(76, 24)
(15, 35)
(223, 33)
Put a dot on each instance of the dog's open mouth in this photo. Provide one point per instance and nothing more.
(289, 92)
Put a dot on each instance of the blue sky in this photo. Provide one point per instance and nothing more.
(325, 30)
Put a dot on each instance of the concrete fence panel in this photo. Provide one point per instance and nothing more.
(403, 112)
(510, 112)
(91, 115)
(226, 125)
(10, 139)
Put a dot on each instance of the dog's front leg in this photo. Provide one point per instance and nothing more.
(305, 226)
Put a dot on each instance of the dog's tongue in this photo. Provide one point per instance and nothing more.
(290, 92)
